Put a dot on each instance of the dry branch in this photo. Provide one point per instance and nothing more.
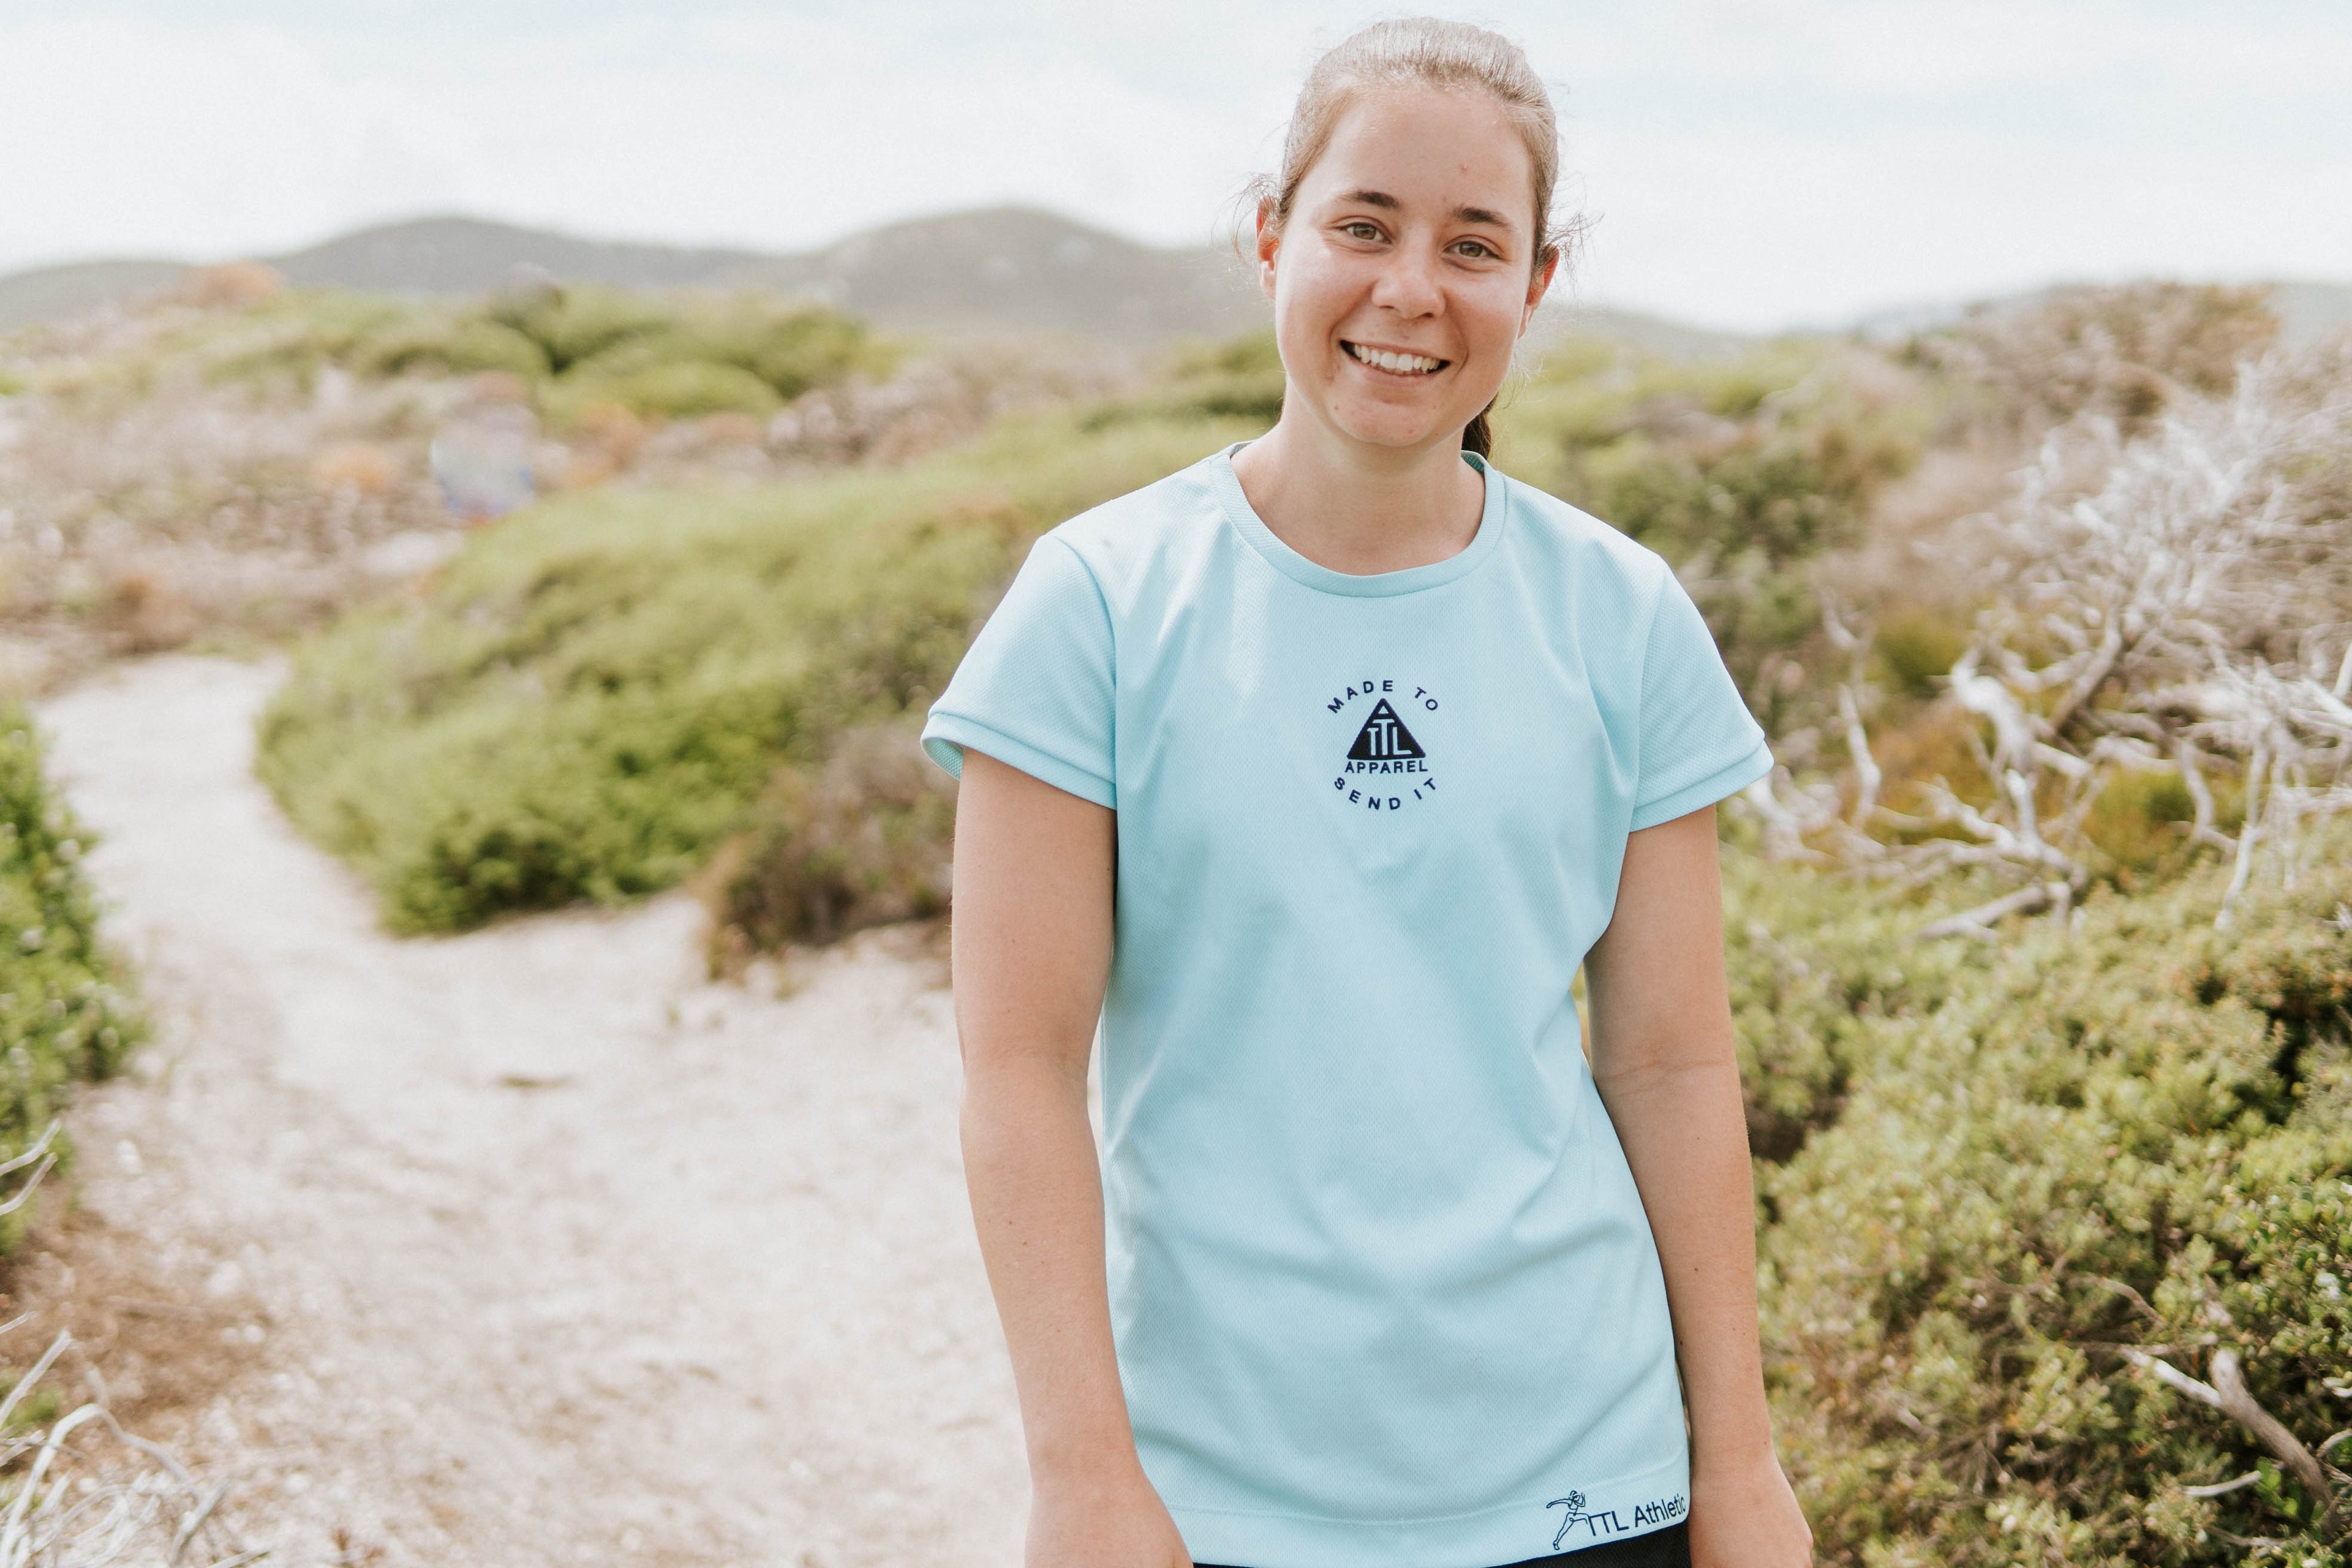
(2229, 1395)
(1978, 922)
(154, 1516)
(2175, 598)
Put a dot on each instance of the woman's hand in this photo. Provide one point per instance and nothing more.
(1744, 1515)
(1113, 1520)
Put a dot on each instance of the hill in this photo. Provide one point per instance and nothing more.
(467, 255)
(1020, 269)
(996, 269)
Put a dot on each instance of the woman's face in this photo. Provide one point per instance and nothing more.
(1403, 277)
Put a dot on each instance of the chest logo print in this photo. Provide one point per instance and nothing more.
(1382, 737)
(1387, 768)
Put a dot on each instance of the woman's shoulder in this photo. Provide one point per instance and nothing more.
(1130, 536)
(1584, 551)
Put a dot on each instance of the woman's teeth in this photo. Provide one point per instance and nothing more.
(1403, 364)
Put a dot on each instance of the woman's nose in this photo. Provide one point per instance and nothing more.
(1409, 285)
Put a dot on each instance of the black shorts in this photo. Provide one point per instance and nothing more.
(1668, 1548)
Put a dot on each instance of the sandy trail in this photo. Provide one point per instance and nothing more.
(557, 1253)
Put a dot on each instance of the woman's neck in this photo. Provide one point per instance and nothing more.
(1357, 509)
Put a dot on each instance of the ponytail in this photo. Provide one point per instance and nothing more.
(1477, 435)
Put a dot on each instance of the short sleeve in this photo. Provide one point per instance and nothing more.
(1700, 742)
(1036, 691)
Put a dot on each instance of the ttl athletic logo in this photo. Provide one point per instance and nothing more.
(1387, 769)
(1606, 1522)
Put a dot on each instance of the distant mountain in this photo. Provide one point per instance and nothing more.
(1015, 270)
(1019, 269)
(467, 255)
(1560, 318)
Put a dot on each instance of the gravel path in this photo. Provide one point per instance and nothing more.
(557, 1253)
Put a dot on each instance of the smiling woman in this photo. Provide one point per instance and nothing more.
(1405, 258)
(1306, 779)
(1501, 90)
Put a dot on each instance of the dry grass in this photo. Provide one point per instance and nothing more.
(136, 521)
(106, 1345)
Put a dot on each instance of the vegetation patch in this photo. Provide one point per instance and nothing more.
(590, 699)
(2124, 1140)
(862, 841)
(61, 1014)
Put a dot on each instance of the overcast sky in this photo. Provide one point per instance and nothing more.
(1752, 162)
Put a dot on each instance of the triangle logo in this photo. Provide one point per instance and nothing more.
(1384, 737)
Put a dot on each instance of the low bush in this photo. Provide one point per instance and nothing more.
(864, 840)
(2120, 351)
(62, 1015)
(462, 345)
(673, 389)
(1815, 963)
(1237, 380)
(591, 698)
(2125, 1139)
(577, 347)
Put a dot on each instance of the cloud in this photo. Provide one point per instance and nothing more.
(1755, 161)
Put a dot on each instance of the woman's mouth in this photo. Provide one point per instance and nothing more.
(1393, 362)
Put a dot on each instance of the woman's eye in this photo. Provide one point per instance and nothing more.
(1362, 231)
(1476, 250)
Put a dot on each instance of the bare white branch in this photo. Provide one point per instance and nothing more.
(2169, 599)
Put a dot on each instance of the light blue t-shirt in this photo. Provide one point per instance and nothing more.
(1383, 1289)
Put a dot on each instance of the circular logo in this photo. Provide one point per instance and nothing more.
(1384, 767)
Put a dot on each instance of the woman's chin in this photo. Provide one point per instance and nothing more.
(1397, 428)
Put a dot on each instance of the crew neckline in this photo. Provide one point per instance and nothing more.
(1363, 585)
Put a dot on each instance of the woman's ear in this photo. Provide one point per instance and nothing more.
(1269, 241)
(1538, 286)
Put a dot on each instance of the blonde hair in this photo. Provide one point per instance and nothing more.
(1423, 51)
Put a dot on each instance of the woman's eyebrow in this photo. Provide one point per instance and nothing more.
(1371, 198)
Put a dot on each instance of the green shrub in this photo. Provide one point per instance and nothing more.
(577, 321)
(594, 694)
(1815, 963)
(463, 345)
(2127, 1133)
(787, 348)
(795, 350)
(576, 346)
(1916, 651)
(61, 1018)
(863, 840)
(288, 338)
(1237, 380)
(676, 389)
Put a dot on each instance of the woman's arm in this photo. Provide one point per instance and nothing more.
(1664, 1061)
(1034, 871)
